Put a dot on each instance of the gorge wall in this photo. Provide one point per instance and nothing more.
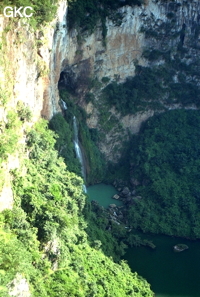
(29, 71)
(34, 61)
(155, 28)
(157, 34)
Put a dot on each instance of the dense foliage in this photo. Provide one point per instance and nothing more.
(86, 14)
(104, 233)
(63, 126)
(153, 88)
(43, 238)
(43, 11)
(64, 142)
(165, 161)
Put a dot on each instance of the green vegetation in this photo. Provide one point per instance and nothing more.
(53, 237)
(3, 97)
(171, 77)
(105, 79)
(94, 159)
(43, 238)
(63, 126)
(85, 14)
(10, 130)
(23, 112)
(64, 142)
(43, 11)
(10, 127)
(133, 95)
(154, 88)
(14, 257)
(165, 161)
(10, 135)
(99, 232)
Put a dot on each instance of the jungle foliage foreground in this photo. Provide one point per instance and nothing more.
(44, 240)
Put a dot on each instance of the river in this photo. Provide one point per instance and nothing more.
(170, 274)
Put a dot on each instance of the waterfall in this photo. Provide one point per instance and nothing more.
(78, 151)
(63, 104)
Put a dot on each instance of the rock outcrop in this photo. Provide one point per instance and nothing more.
(157, 25)
(29, 72)
(19, 287)
(35, 60)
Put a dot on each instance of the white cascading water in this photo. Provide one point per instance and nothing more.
(78, 151)
(64, 105)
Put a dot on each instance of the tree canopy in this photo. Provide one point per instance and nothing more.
(165, 160)
(44, 237)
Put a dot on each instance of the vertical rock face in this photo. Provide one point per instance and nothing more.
(125, 43)
(29, 71)
(34, 61)
(174, 22)
(35, 69)
(157, 25)
(57, 55)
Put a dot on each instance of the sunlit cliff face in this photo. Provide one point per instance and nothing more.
(157, 25)
(27, 74)
(35, 60)
(36, 68)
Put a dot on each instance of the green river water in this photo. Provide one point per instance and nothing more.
(170, 274)
(103, 195)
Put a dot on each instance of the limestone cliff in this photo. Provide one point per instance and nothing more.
(29, 71)
(159, 26)
(33, 62)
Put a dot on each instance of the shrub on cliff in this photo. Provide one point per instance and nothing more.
(43, 11)
(85, 14)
